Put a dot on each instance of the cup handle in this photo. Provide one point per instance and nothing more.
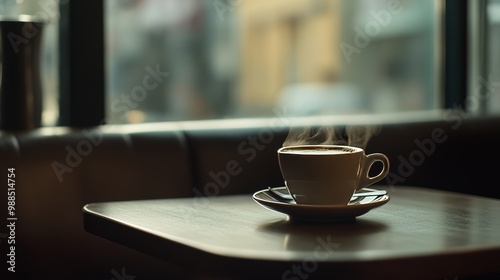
(370, 159)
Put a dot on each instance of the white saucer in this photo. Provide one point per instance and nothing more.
(320, 213)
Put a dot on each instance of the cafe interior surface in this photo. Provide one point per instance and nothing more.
(139, 138)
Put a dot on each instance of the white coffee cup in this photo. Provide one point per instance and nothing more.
(328, 174)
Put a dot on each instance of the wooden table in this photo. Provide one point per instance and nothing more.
(419, 234)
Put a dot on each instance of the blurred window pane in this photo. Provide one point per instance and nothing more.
(492, 82)
(49, 11)
(196, 59)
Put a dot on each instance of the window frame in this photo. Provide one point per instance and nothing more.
(82, 69)
(455, 54)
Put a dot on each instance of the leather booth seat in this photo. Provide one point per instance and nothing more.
(59, 170)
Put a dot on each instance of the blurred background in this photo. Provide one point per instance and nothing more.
(245, 58)
(249, 58)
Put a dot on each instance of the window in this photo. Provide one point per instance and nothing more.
(195, 59)
(492, 78)
(483, 70)
(169, 60)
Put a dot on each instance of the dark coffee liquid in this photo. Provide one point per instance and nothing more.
(318, 151)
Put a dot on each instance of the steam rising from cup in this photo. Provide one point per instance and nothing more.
(356, 136)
